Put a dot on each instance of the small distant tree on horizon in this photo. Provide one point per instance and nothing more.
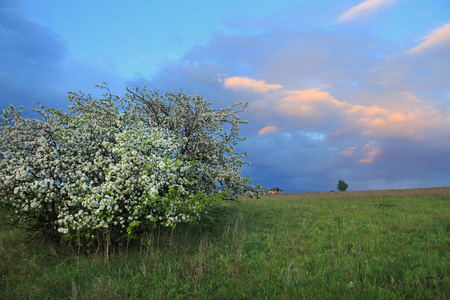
(342, 186)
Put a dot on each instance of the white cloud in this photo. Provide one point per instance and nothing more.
(363, 9)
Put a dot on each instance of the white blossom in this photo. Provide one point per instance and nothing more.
(99, 167)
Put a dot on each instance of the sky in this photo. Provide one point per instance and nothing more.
(337, 89)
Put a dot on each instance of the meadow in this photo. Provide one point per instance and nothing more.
(344, 245)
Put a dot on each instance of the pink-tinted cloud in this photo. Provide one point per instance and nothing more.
(417, 125)
(363, 9)
(365, 112)
(243, 83)
(372, 152)
(436, 37)
(349, 151)
(312, 103)
(268, 129)
(315, 108)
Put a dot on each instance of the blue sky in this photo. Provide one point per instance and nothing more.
(337, 89)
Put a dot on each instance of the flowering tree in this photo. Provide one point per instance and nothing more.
(208, 136)
(114, 166)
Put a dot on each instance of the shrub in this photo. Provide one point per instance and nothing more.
(107, 170)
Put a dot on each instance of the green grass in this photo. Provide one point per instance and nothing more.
(351, 245)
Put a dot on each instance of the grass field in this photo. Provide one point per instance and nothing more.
(350, 245)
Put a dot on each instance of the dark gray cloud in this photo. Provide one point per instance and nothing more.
(31, 59)
(35, 64)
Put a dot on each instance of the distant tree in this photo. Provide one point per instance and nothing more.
(342, 186)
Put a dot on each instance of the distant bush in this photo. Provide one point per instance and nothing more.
(107, 170)
(342, 186)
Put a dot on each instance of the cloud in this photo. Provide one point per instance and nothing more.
(31, 59)
(258, 86)
(435, 38)
(268, 129)
(349, 151)
(312, 102)
(36, 65)
(372, 152)
(316, 109)
(362, 9)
